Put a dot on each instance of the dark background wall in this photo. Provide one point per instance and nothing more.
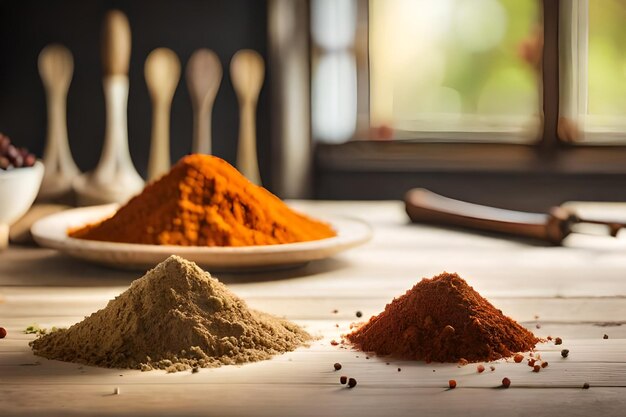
(182, 25)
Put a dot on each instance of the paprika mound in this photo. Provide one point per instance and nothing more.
(442, 319)
(204, 201)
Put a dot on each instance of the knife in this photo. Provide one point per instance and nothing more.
(424, 206)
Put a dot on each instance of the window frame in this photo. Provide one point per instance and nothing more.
(549, 157)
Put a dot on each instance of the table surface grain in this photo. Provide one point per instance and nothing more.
(578, 293)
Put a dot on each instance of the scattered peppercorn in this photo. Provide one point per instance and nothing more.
(359, 314)
(549, 338)
(399, 369)
(351, 383)
(606, 336)
(3, 332)
(463, 362)
(586, 385)
(480, 369)
(531, 362)
(536, 368)
(493, 368)
(506, 382)
(335, 311)
(565, 353)
(452, 384)
(518, 358)
(195, 370)
(558, 341)
(538, 326)
(544, 364)
(343, 379)
(337, 366)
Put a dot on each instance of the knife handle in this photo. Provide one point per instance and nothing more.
(424, 206)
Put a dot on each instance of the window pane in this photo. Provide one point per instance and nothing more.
(607, 58)
(456, 69)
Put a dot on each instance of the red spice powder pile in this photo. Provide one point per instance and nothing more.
(442, 319)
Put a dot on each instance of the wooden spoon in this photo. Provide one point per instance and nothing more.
(115, 178)
(204, 75)
(247, 71)
(162, 72)
(56, 67)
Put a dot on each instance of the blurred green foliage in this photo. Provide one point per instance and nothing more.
(607, 57)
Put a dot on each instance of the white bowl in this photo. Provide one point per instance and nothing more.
(18, 189)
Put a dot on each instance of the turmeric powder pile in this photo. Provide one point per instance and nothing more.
(205, 201)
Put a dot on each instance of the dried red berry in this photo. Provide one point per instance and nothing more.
(506, 382)
(536, 368)
(544, 364)
(518, 358)
(337, 366)
(480, 369)
(558, 341)
(452, 384)
(3, 332)
(343, 379)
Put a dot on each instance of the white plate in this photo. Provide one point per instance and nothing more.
(51, 232)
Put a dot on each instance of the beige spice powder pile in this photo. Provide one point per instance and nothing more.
(176, 317)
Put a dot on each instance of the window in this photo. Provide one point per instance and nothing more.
(593, 71)
(465, 70)
(524, 90)
(456, 69)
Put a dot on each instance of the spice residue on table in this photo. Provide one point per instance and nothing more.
(176, 317)
(443, 319)
(204, 201)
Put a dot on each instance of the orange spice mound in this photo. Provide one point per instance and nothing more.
(443, 319)
(204, 201)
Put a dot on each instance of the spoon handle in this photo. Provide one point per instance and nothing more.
(247, 162)
(56, 70)
(202, 142)
(159, 161)
(57, 157)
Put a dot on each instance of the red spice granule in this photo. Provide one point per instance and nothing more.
(452, 384)
(442, 319)
(536, 368)
(506, 382)
(518, 357)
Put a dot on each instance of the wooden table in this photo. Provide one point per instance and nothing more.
(578, 293)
